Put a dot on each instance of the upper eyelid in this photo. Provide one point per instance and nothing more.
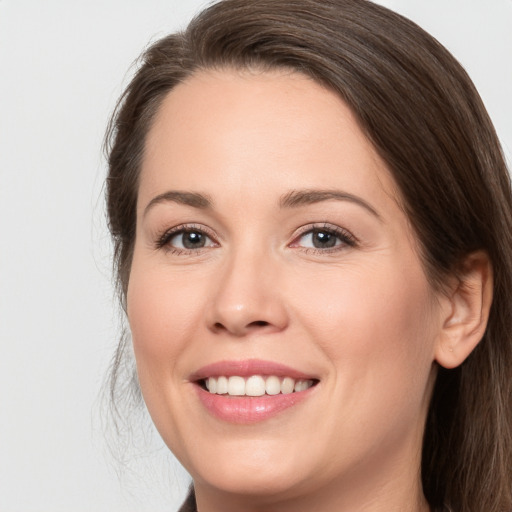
(191, 227)
(164, 237)
(327, 227)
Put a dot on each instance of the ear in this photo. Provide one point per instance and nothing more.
(468, 303)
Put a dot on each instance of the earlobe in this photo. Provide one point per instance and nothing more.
(467, 312)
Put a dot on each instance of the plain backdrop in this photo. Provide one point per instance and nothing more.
(62, 65)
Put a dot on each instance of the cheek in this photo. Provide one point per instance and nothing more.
(375, 331)
(376, 322)
(163, 314)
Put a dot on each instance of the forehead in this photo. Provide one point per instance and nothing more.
(259, 133)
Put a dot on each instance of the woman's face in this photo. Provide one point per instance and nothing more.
(271, 250)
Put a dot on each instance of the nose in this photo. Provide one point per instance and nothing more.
(247, 297)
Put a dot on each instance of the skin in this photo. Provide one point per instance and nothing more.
(361, 317)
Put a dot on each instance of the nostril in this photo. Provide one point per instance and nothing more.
(258, 323)
(238, 327)
(218, 326)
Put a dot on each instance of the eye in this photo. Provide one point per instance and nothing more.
(184, 239)
(189, 240)
(324, 238)
(320, 239)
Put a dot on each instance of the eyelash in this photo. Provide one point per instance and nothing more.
(345, 237)
(163, 241)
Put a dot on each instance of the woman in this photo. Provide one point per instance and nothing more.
(312, 216)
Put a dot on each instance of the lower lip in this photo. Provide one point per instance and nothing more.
(247, 410)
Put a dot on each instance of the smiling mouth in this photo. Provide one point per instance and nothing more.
(255, 385)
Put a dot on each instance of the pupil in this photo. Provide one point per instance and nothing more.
(193, 240)
(323, 239)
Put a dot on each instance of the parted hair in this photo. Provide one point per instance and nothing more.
(422, 113)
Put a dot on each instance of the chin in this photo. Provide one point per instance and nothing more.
(252, 469)
(256, 484)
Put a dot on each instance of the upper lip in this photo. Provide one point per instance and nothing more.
(246, 368)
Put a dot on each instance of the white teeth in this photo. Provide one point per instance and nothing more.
(255, 385)
(212, 385)
(287, 385)
(222, 385)
(302, 385)
(273, 386)
(236, 386)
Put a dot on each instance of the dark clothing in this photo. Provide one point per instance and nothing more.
(189, 505)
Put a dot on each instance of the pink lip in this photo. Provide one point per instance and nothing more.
(247, 368)
(243, 409)
(247, 410)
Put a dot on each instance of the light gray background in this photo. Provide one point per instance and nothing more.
(62, 66)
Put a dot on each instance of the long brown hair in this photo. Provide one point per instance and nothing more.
(420, 110)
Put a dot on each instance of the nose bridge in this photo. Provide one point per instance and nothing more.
(246, 298)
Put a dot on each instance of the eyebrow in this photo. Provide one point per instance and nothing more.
(297, 198)
(193, 199)
(292, 199)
